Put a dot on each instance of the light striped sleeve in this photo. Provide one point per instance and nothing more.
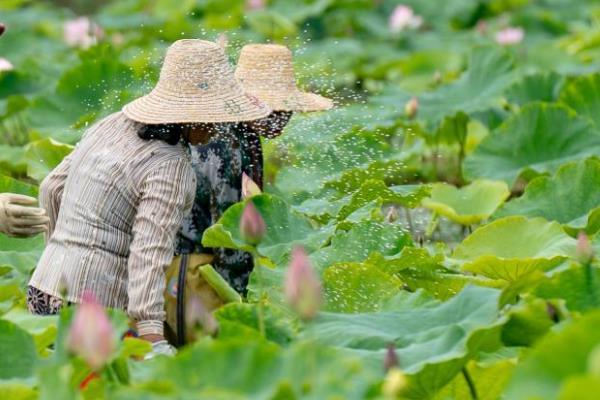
(51, 191)
(167, 194)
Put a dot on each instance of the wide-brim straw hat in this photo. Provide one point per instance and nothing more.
(267, 71)
(196, 84)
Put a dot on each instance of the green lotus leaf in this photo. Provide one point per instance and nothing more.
(528, 321)
(11, 160)
(555, 359)
(580, 388)
(514, 246)
(10, 185)
(372, 190)
(571, 197)
(17, 391)
(357, 287)
(582, 94)
(577, 286)
(43, 156)
(43, 329)
(489, 379)
(538, 139)
(433, 340)
(285, 229)
(470, 204)
(537, 87)
(362, 241)
(262, 370)
(479, 88)
(18, 351)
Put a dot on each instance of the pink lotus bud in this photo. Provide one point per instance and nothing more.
(249, 187)
(252, 224)
(404, 17)
(81, 32)
(302, 286)
(510, 36)
(91, 335)
(412, 107)
(255, 4)
(585, 252)
(391, 358)
(5, 65)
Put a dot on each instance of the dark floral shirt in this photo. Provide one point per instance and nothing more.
(219, 165)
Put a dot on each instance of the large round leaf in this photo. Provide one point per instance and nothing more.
(285, 229)
(470, 204)
(539, 139)
(555, 359)
(571, 197)
(433, 340)
(18, 351)
(42, 156)
(583, 95)
(514, 246)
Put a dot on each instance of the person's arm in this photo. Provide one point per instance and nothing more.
(167, 194)
(18, 218)
(51, 191)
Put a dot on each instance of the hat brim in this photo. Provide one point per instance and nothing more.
(160, 108)
(297, 101)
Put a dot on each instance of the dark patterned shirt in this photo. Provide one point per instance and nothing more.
(219, 165)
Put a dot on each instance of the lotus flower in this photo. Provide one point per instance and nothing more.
(249, 187)
(302, 286)
(81, 32)
(404, 17)
(5, 65)
(412, 107)
(255, 4)
(91, 335)
(391, 358)
(510, 36)
(585, 252)
(252, 224)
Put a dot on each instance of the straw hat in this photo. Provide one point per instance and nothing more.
(196, 84)
(267, 71)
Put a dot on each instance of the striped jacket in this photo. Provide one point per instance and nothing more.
(115, 204)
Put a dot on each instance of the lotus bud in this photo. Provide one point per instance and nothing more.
(391, 358)
(510, 36)
(394, 383)
(252, 224)
(404, 17)
(5, 65)
(81, 32)
(249, 187)
(255, 4)
(585, 252)
(2, 29)
(412, 107)
(302, 286)
(91, 335)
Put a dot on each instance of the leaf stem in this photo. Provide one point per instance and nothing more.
(470, 383)
(261, 315)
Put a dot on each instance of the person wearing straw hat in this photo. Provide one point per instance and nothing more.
(116, 202)
(267, 72)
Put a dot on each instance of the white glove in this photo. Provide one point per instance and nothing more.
(162, 347)
(18, 219)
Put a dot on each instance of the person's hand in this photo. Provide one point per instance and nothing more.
(18, 218)
(162, 347)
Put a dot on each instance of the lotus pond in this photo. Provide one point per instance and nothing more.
(449, 204)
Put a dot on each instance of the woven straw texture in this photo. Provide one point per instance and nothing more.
(196, 84)
(267, 72)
